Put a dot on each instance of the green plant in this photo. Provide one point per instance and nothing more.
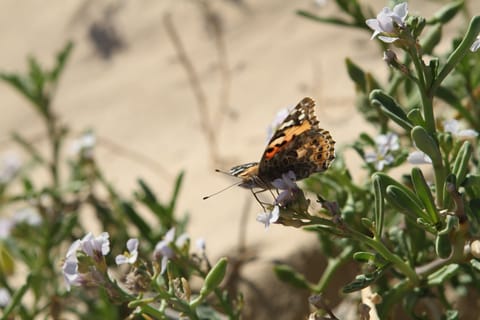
(416, 235)
(54, 215)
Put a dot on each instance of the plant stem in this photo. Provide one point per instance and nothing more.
(332, 266)
(378, 246)
(427, 105)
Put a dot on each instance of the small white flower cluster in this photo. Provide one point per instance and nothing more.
(98, 247)
(130, 256)
(388, 21)
(94, 247)
(385, 143)
(386, 25)
(84, 145)
(269, 217)
(288, 187)
(164, 250)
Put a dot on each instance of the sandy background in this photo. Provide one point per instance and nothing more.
(140, 97)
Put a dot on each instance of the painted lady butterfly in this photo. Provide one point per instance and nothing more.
(298, 145)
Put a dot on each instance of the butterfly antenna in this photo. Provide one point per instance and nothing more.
(224, 172)
(215, 193)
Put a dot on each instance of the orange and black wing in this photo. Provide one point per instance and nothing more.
(298, 145)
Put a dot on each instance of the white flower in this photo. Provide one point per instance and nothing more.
(453, 126)
(379, 161)
(84, 145)
(72, 250)
(320, 3)
(6, 226)
(201, 244)
(28, 215)
(70, 266)
(288, 185)
(95, 247)
(387, 22)
(11, 163)
(270, 217)
(182, 240)
(163, 248)
(385, 143)
(418, 157)
(4, 297)
(70, 272)
(131, 256)
(475, 45)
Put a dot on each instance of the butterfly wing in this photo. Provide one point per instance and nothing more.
(298, 145)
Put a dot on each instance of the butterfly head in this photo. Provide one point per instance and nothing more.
(249, 174)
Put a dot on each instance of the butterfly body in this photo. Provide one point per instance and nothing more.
(298, 145)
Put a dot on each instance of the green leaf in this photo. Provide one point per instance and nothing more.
(364, 256)
(404, 202)
(391, 108)
(443, 246)
(475, 264)
(446, 13)
(427, 144)
(431, 39)
(36, 77)
(137, 220)
(176, 191)
(148, 195)
(452, 315)
(148, 198)
(415, 116)
(207, 312)
(29, 148)
(367, 223)
(17, 298)
(62, 58)
(443, 243)
(385, 181)
(362, 281)
(379, 206)
(288, 275)
(356, 74)
(472, 186)
(7, 263)
(330, 20)
(425, 195)
(452, 100)
(460, 166)
(460, 51)
(23, 87)
(443, 274)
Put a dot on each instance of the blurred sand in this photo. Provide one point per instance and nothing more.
(141, 99)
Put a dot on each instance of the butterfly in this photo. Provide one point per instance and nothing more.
(298, 145)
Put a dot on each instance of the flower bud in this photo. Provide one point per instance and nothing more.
(214, 277)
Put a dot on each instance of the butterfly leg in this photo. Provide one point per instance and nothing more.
(261, 203)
